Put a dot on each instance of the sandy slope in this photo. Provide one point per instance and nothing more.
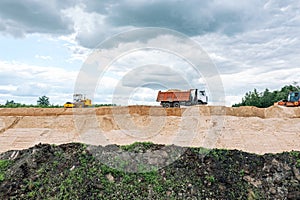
(251, 129)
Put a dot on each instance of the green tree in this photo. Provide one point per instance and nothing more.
(43, 101)
(266, 98)
(9, 103)
(12, 104)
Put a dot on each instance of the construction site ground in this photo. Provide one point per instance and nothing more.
(256, 130)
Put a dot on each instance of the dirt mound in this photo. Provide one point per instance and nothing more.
(243, 111)
(73, 171)
(257, 130)
(35, 111)
(246, 111)
(282, 112)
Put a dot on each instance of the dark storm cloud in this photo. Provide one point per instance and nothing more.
(192, 17)
(102, 19)
(30, 16)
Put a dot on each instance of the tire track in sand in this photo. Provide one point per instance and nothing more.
(12, 125)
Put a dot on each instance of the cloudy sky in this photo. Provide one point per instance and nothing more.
(46, 44)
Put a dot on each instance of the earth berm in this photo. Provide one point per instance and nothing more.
(75, 171)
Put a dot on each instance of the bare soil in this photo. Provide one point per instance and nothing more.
(256, 130)
(101, 169)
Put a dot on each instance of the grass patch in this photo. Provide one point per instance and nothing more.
(4, 164)
(138, 147)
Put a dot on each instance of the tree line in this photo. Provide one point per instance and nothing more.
(252, 98)
(42, 102)
(266, 98)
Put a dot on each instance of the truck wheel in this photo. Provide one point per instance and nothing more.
(167, 105)
(176, 105)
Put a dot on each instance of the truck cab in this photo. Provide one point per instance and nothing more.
(202, 98)
(197, 97)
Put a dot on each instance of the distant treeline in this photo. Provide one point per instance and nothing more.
(12, 104)
(42, 102)
(266, 98)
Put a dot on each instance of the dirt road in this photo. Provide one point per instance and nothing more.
(271, 130)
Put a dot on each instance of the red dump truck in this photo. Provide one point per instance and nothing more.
(175, 98)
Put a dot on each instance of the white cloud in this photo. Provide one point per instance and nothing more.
(237, 84)
(90, 27)
(253, 43)
(20, 80)
(150, 68)
(231, 100)
(43, 57)
(262, 58)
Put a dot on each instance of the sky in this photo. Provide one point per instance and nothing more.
(56, 48)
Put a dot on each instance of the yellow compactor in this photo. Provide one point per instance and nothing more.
(79, 101)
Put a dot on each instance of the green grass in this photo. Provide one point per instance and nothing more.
(298, 163)
(137, 146)
(4, 164)
(210, 178)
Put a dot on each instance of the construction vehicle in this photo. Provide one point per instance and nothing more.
(79, 101)
(69, 105)
(175, 98)
(293, 100)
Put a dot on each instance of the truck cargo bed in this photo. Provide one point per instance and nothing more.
(173, 96)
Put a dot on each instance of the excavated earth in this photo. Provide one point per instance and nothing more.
(256, 130)
(77, 171)
(201, 152)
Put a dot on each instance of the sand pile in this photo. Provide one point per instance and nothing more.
(244, 111)
(258, 130)
(282, 112)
